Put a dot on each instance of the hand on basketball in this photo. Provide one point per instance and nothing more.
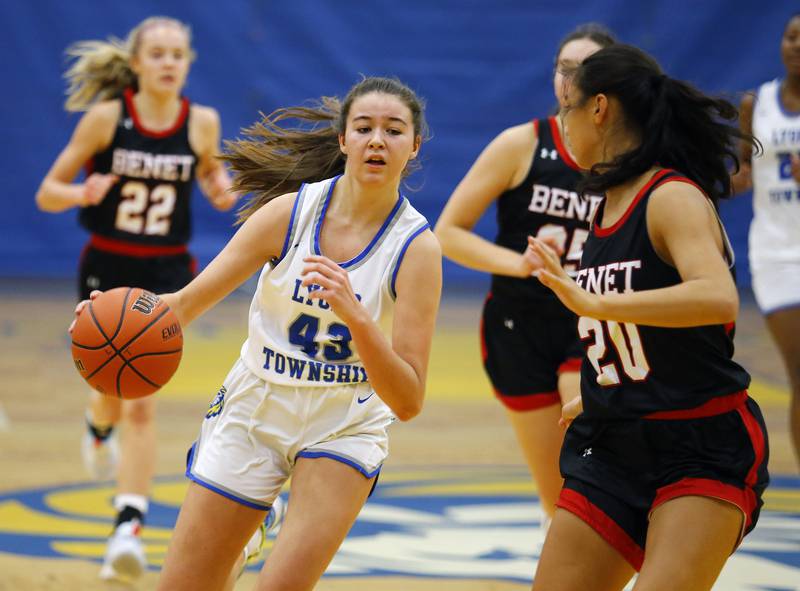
(334, 287)
(96, 188)
(79, 308)
(533, 262)
(553, 275)
(569, 411)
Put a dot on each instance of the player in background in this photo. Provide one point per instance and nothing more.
(142, 145)
(338, 342)
(666, 465)
(772, 114)
(530, 346)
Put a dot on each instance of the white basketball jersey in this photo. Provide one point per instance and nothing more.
(775, 230)
(293, 340)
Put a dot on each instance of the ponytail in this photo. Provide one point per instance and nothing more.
(273, 159)
(677, 126)
(101, 69)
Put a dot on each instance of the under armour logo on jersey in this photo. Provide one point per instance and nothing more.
(93, 282)
(552, 154)
(127, 123)
(587, 452)
(508, 323)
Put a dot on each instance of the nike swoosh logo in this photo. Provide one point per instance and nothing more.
(363, 400)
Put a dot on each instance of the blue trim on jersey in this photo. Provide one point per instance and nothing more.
(216, 489)
(297, 201)
(342, 459)
(781, 107)
(360, 256)
(318, 222)
(401, 255)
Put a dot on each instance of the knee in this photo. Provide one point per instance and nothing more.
(139, 413)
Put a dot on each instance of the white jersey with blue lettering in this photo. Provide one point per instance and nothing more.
(296, 341)
(775, 230)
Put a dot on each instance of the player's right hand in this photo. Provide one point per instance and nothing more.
(96, 187)
(531, 261)
(569, 411)
(80, 307)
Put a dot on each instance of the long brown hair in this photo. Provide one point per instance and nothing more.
(274, 158)
(101, 70)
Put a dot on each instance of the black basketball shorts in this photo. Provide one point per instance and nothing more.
(525, 347)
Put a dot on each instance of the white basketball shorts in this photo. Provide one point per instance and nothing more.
(776, 284)
(255, 431)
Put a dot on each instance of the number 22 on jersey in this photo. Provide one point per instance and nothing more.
(625, 341)
(142, 211)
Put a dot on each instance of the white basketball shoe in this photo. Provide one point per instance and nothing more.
(100, 456)
(124, 559)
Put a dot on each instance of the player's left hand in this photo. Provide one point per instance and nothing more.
(334, 287)
(216, 185)
(81, 307)
(556, 278)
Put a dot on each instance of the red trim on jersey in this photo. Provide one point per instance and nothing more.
(759, 450)
(536, 127)
(743, 498)
(572, 364)
(184, 112)
(528, 401)
(562, 149)
(687, 180)
(133, 249)
(715, 406)
(603, 232)
(729, 328)
(603, 524)
(484, 351)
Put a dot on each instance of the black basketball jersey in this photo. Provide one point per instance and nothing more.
(544, 204)
(634, 370)
(150, 203)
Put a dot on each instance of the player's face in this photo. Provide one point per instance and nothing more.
(379, 138)
(578, 117)
(572, 54)
(162, 60)
(790, 47)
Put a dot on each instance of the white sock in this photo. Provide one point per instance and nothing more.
(139, 502)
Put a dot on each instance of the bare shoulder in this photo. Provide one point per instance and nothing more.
(518, 137)
(104, 114)
(424, 255)
(677, 203)
(204, 119)
(276, 211)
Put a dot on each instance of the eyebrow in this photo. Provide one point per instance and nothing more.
(368, 118)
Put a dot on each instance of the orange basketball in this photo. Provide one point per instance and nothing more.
(127, 343)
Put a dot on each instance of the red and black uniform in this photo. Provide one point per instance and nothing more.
(528, 336)
(666, 411)
(140, 230)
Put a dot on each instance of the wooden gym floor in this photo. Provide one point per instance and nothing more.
(455, 508)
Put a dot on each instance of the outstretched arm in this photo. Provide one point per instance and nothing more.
(212, 176)
(743, 180)
(498, 168)
(257, 241)
(93, 133)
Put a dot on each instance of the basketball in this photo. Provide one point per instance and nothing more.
(127, 343)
